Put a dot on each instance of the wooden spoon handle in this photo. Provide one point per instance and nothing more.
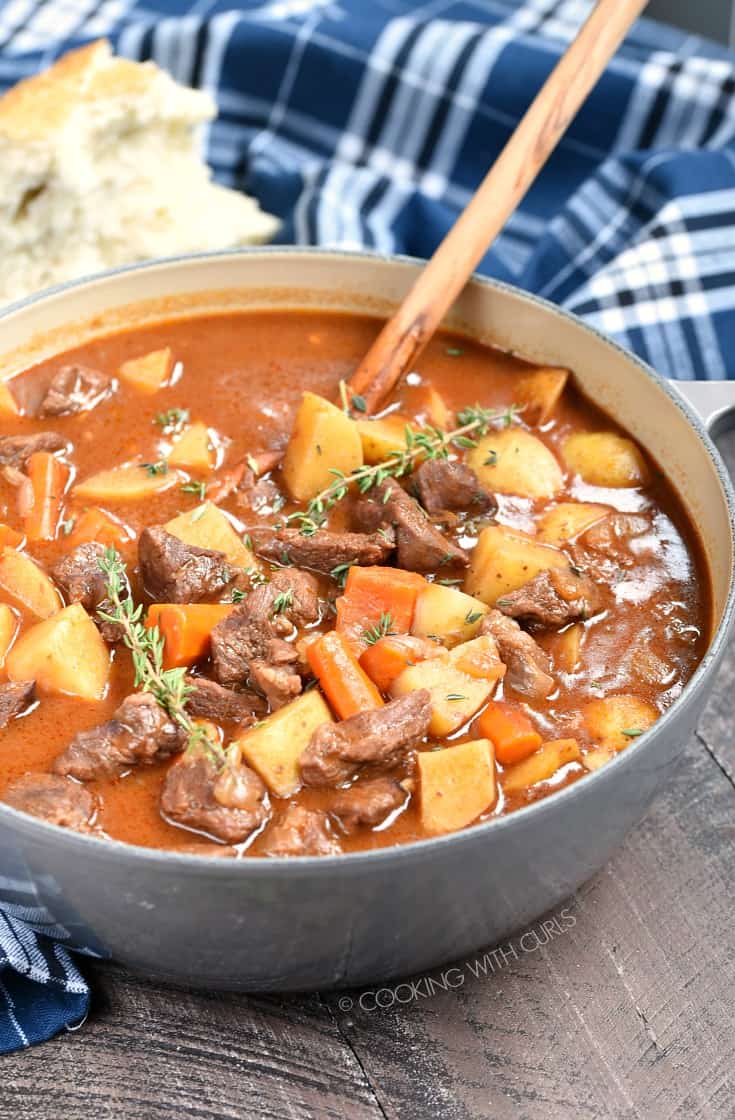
(440, 282)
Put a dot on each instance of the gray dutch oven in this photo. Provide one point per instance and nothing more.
(278, 924)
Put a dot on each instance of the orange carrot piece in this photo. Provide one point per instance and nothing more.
(48, 478)
(389, 656)
(347, 687)
(510, 731)
(96, 524)
(10, 538)
(186, 629)
(372, 593)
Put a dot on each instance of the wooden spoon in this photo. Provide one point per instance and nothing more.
(405, 334)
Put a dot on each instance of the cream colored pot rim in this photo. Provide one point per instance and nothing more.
(391, 856)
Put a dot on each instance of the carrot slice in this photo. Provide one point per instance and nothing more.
(96, 524)
(10, 538)
(347, 687)
(375, 594)
(389, 656)
(48, 478)
(510, 731)
(186, 629)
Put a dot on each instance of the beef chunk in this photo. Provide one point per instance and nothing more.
(243, 475)
(140, 732)
(210, 700)
(552, 598)
(336, 751)
(225, 802)
(528, 667)
(368, 803)
(257, 495)
(325, 550)
(75, 389)
(15, 698)
(250, 644)
(421, 547)
(614, 530)
(175, 572)
(81, 579)
(302, 592)
(54, 799)
(279, 683)
(442, 486)
(15, 450)
(300, 832)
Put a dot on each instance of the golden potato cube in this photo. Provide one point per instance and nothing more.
(538, 393)
(456, 785)
(30, 587)
(148, 373)
(323, 440)
(273, 748)
(65, 655)
(193, 449)
(568, 519)
(8, 630)
(382, 438)
(605, 459)
(127, 484)
(539, 767)
(446, 613)
(567, 648)
(439, 412)
(455, 695)
(617, 721)
(208, 527)
(504, 559)
(515, 462)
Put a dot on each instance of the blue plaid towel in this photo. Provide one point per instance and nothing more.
(368, 123)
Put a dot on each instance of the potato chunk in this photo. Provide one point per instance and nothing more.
(381, 438)
(460, 682)
(127, 484)
(274, 747)
(605, 459)
(538, 393)
(515, 462)
(64, 655)
(208, 527)
(568, 520)
(323, 440)
(446, 613)
(193, 450)
(567, 648)
(148, 373)
(22, 578)
(504, 559)
(456, 785)
(617, 721)
(539, 767)
(8, 630)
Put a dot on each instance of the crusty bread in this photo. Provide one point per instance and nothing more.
(99, 167)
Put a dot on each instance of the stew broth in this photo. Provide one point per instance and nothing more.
(243, 376)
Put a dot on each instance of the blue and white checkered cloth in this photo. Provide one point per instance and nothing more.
(368, 123)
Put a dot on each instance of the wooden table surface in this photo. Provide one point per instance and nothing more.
(627, 1011)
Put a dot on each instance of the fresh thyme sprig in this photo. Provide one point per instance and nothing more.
(380, 630)
(426, 443)
(168, 687)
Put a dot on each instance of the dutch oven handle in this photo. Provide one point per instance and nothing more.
(713, 401)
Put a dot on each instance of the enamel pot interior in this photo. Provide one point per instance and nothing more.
(306, 923)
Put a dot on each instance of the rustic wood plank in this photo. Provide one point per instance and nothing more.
(151, 1053)
(626, 1014)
